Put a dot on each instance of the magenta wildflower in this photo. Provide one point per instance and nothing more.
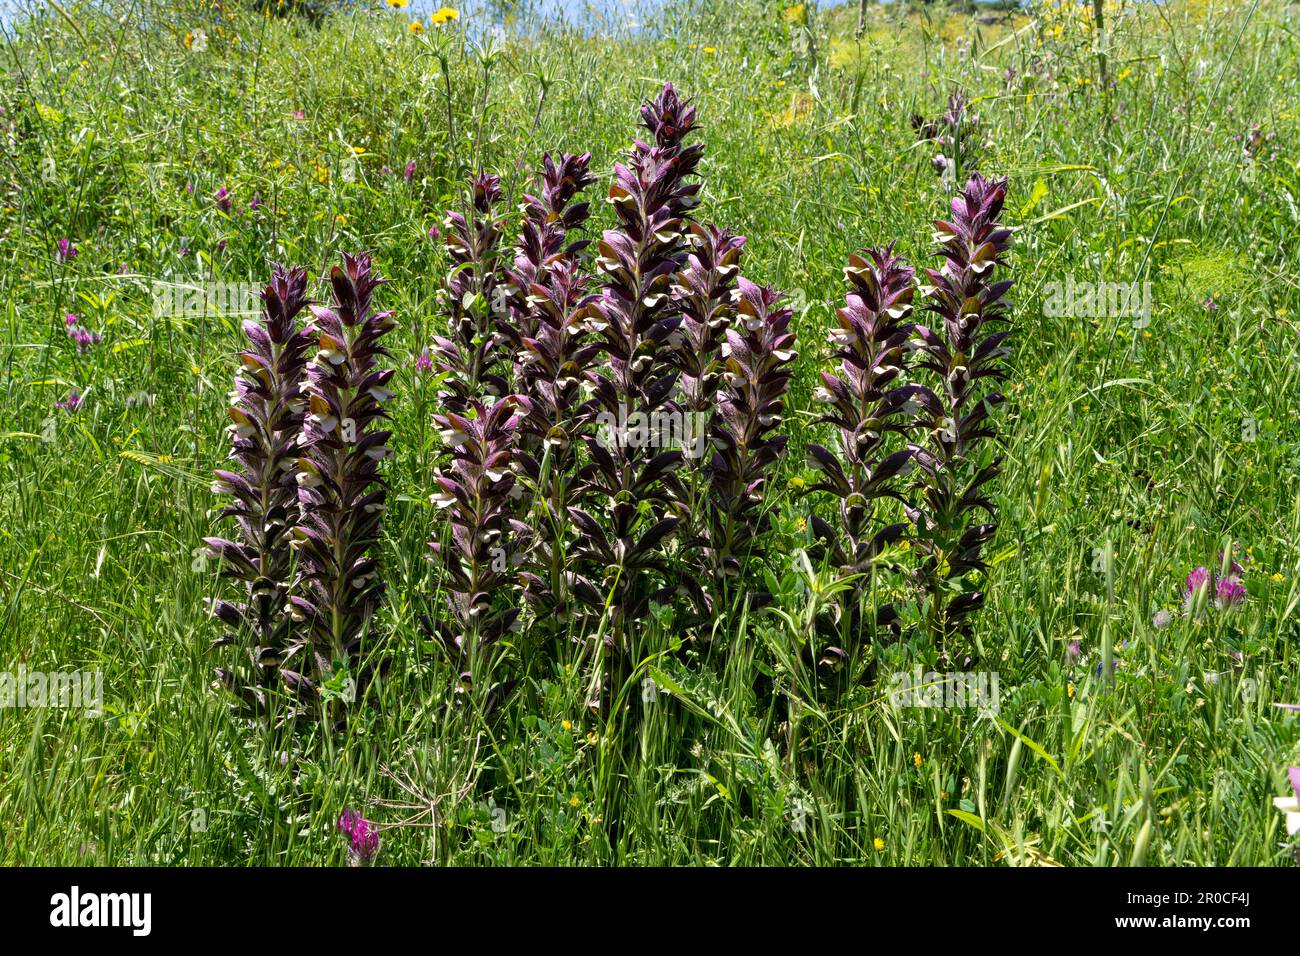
(434, 233)
(299, 115)
(255, 203)
(423, 362)
(79, 333)
(362, 836)
(1229, 592)
(409, 173)
(1293, 773)
(1073, 652)
(66, 250)
(222, 199)
(71, 403)
(84, 338)
(1162, 619)
(1228, 589)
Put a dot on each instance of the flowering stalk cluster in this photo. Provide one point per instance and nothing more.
(341, 495)
(966, 354)
(266, 419)
(619, 376)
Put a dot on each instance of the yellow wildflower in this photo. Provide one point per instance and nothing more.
(416, 26)
(399, 4)
(879, 844)
(443, 15)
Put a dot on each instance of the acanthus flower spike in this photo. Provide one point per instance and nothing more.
(544, 237)
(266, 419)
(550, 291)
(867, 403)
(704, 293)
(475, 491)
(341, 494)
(965, 354)
(756, 359)
(630, 474)
(554, 355)
(476, 297)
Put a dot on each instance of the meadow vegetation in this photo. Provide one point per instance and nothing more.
(1139, 595)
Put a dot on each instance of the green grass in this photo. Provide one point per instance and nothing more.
(1118, 440)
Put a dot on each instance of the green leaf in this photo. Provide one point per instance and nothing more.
(968, 818)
